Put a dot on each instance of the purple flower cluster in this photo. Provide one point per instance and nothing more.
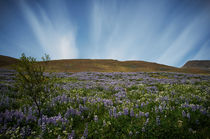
(9, 116)
(52, 120)
(194, 107)
(73, 112)
(61, 99)
(94, 97)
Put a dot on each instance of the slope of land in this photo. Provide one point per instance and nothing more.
(108, 65)
(6, 61)
(103, 65)
(99, 65)
(200, 64)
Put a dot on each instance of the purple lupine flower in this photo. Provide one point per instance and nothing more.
(147, 114)
(43, 127)
(80, 107)
(194, 107)
(78, 113)
(141, 114)
(188, 115)
(125, 110)
(158, 120)
(85, 134)
(137, 106)
(183, 114)
(147, 121)
(137, 115)
(115, 112)
(131, 112)
(110, 112)
(119, 113)
(71, 136)
(142, 104)
(203, 111)
(84, 99)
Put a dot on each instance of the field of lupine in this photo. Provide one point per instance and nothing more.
(110, 105)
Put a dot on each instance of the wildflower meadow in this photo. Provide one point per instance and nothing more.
(108, 105)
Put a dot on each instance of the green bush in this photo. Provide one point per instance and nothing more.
(31, 82)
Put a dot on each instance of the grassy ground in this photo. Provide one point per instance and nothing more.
(111, 105)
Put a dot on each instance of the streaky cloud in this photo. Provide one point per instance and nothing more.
(167, 32)
(186, 41)
(203, 53)
(158, 32)
(58, 43)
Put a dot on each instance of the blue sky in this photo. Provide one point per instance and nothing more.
(164, 31)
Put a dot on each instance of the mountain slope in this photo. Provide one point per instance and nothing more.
(103, 65)
(199, 64)
(6, 61)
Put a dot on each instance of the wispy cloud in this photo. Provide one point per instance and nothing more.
(56, 41)
(203, 53)
(110, 35)
(147, 30)
(187, 40)
(167, 32)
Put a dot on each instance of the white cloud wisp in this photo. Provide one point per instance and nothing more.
(59, 43)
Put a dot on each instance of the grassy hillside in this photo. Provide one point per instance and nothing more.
(203, 64)
(6, 61)
(102, 65)
(78, 65)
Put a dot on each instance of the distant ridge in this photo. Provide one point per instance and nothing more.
(6, 61)
(199, 64)
(105, 65)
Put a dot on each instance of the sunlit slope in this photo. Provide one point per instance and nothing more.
(98, 65)
(78, 65)
(102, 65)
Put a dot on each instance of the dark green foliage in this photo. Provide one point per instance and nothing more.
(31, 82)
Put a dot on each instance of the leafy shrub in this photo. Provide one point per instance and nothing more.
(31, 82)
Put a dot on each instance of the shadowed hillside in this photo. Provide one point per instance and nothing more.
(6, 61)
(200, 64)
(102, 65)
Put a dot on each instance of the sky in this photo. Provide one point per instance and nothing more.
(168, 32)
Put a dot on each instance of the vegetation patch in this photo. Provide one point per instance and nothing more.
(103, 105)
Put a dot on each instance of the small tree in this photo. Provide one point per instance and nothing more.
(32, 83)
(46, 58)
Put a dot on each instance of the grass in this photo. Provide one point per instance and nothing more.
(113, 105)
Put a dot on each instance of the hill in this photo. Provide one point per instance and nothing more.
(109, 65)
(199, 64)
(6, 61)
(103, 65)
